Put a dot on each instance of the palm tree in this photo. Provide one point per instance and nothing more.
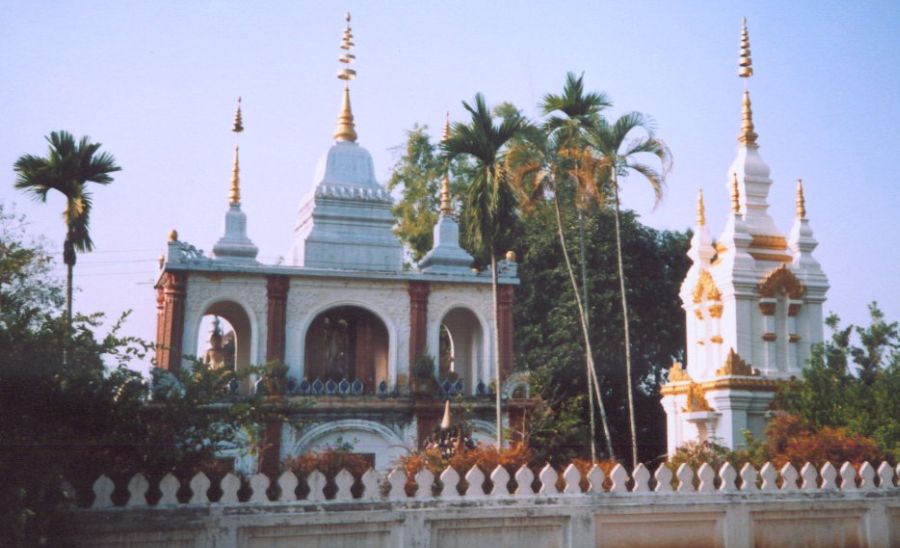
(487, 199)
(68, 167)
(615, 159)
(544, 163)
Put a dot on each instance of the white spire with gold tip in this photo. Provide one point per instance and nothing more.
(751, 171)
(445, 422)
(446, 256)
(802, 243)
(234, 245)
(346, 130)
(701, 251)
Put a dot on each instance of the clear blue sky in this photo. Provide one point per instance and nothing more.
(156, 83)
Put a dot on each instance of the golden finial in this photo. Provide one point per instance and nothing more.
(511, 256)
(446, 134)
(445, 422)
(701, 210)
(345, 130)
(238, 120)
(234, 196)
(745, 63)
(747, 135)
(735, 196)
(801, 201)
(173, 236)
(446, 205)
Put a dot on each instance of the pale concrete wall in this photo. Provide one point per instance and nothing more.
(826, 507)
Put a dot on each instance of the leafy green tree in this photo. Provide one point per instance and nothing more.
(488, 201)
(615, 159)
(655, 262)
(543, 162)
(67, 169)
(417, 173)
(855, 387)
(93, 415)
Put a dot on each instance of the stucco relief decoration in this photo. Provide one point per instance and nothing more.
(735, 365)
(696, 400)
(706, 287)
(678, 373)
(781, 279)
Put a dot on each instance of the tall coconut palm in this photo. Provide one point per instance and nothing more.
(543, 164)
(487, 199)
(615, 159)
(67, 169)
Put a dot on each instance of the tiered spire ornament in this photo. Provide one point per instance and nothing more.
(747, 136)
(234, 195)
(801, 201)
(345, 130)
(701, 209)
(735, 195)
(446, 205)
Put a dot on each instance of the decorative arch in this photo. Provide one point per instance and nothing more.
(517, 385)
(315, 312)
(378, 439)
(781, 278)
(244, 322)
(473, 347)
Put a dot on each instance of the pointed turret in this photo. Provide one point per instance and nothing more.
(751, 171)
(446, 256)
(802, 243)
(234, 245)
(345, 222)
(701, 251)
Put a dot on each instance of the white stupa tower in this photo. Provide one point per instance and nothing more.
(753, 303)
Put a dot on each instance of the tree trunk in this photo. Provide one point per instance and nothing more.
(69, 260)
(634, 452)
(588, 351)
(587, 321)
(497, 387)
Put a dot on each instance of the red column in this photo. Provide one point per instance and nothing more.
(276, 318)
(505, 295)
(170, 298)
(418, 318)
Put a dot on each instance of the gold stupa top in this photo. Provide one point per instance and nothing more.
(446, 204)
(238, 119)
(735, 195)
(701, 210)
(745, 63)
(234, 195)
(345, 130)
(801, 201)
(173, 236)
(748, 135)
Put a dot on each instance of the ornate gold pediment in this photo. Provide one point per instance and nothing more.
(706, 287)
(781, 278)
(696, 400)
(678, 373)
(734, 365)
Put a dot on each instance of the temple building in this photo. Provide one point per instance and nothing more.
(344, 314)
(753, 303)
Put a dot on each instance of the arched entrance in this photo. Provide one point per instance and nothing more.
(461, 347)
(224, 339)
(347, 343)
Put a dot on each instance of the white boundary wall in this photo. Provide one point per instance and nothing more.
(730, 508)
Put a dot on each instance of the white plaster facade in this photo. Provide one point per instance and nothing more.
(753, 307)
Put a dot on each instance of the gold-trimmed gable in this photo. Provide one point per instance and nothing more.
(781, 278)
(735, 365)
(678, 373)
(696, 400)
(706, 287)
